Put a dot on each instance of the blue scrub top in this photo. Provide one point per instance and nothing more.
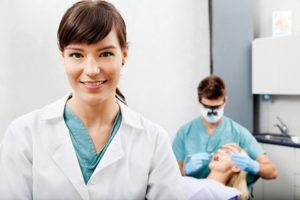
(86, 154)
(193, 138)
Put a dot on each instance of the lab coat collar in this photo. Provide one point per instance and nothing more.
(130, 117)
(56, 110)
(62, 150)
(63, 153)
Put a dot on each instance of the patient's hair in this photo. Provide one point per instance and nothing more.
(238, 180)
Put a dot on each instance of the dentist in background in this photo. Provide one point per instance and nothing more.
(202, 136)
(89, 144)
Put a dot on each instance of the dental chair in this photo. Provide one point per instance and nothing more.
(251, 179)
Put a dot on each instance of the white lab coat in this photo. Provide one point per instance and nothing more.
(38, 161)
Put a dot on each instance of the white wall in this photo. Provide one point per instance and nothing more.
(169, 55)
(286, 107)
(31, 72)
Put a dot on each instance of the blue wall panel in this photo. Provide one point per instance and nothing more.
(232, 25)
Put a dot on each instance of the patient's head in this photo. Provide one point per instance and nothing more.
(221, 162)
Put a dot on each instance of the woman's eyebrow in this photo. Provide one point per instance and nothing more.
(107, 47)
(101, 49)
(75, 49)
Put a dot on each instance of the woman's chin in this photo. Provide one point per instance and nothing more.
(93, 99)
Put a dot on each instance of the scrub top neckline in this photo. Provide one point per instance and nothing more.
(79, 127)
(86, 153)
(216, 131)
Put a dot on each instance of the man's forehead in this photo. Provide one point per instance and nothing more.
(212, 102)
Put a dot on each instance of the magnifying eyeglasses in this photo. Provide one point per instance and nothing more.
(212, 107)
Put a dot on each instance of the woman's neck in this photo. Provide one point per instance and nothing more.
(221, 177)
(100, 114)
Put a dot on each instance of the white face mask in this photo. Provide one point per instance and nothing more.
(212, 116)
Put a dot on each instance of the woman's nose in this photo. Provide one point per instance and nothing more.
(91, 68)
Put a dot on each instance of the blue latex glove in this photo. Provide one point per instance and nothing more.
(195, 163)
(245, 163)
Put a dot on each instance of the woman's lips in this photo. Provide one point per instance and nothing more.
(93, 84)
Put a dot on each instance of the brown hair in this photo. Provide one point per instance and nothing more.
(90, 22)
(212, 87)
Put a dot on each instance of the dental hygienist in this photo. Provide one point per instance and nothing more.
(198, 138)
(89, 144)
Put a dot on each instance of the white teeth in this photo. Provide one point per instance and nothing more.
(94, 83)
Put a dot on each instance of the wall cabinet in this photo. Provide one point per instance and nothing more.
(287, 184)
(276, 65)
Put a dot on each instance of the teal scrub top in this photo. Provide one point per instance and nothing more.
(86, 154)
(193, 138)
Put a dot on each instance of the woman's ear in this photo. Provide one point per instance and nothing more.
(235, 169)
(125, 54)
(125, 51)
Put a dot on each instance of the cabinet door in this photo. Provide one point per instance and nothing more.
(258, 189)
(297, 174)
(289, 62)
(284, 159)
(276, 65)
(265, 72)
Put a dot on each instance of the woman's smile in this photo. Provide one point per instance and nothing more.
(92, 85)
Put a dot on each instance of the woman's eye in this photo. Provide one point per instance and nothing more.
(106, 54)
(76, 55)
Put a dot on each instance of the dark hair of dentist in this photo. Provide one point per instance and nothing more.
(89, 144)
(212, 87)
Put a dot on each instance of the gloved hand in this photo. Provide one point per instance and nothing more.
(245, 163)
(195, 162)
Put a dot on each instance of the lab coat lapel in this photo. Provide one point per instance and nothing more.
(113, 153)
(64, 155)
(115, 150)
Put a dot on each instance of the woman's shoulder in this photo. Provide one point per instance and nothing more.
(140, 123)
(33, 118)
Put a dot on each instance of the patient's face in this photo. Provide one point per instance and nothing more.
(221, 161)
